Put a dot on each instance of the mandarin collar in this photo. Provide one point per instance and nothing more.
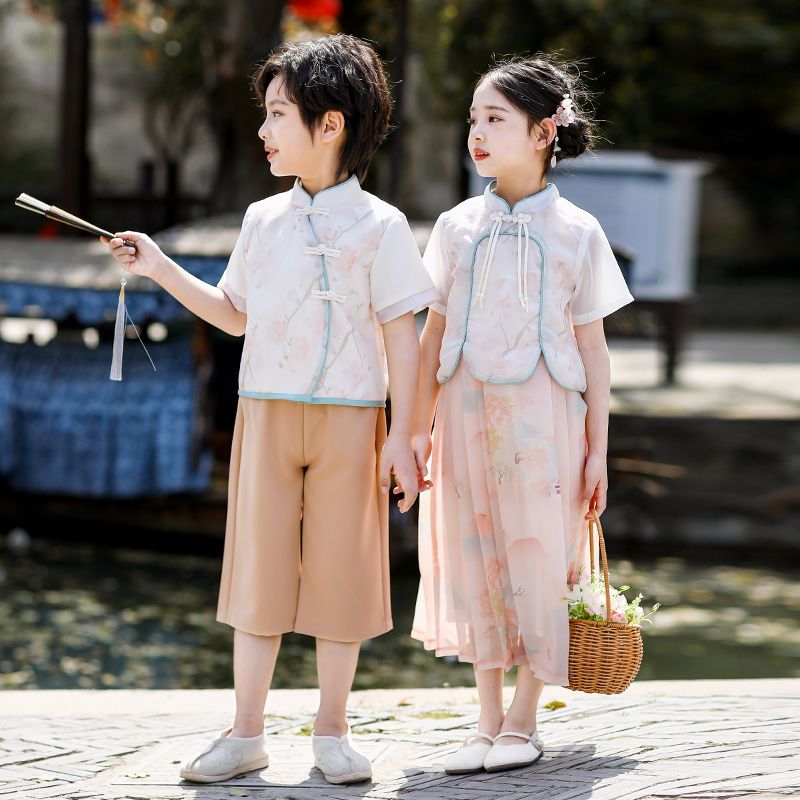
(529, 205)
(342, 195)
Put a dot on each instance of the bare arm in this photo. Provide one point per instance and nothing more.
(402, 355)
(594, 352)
(429, 388)
(207, 302)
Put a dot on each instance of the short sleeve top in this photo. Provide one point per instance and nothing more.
(513, 284)
(317, 278)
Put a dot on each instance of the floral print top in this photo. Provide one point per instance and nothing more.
(515, 282)
(317, 278)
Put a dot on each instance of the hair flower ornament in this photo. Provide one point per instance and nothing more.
(565, 115)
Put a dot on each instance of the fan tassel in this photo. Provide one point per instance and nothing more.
(119, 335)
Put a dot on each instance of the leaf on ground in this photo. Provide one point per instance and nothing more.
(436, 714)
(237, 793)
(554, 704)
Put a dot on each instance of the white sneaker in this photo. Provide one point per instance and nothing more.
(470, 756)
(226, 757)
(511, 756)
(335, 757)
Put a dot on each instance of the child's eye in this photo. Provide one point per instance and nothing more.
(470, 121)
(277, 114)
(494, 119)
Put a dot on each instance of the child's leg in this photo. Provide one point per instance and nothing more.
(490, 693)
(253, 664)
(470, 757)
(334, 756)
(344, 583)
(336, 668)
(521, 716)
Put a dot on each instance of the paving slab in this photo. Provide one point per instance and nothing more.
(696, 740)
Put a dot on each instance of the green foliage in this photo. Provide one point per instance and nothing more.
(172, 41)
(719, 78)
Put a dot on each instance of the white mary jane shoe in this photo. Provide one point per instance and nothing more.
(470, 756)
(335, 757)
(226, 757)
(512, 756)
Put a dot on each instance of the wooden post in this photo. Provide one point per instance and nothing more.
(73, 162)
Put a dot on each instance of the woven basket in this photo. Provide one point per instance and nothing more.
(604, 657)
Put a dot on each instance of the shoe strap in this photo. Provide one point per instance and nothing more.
(517, 735)
(479, 735)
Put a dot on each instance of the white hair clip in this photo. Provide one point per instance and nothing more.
(565, 115)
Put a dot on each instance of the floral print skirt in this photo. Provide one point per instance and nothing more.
(502, 531)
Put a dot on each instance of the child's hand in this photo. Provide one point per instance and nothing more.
(595, 485)
(143, 260)
(398, 458)
(421, 446)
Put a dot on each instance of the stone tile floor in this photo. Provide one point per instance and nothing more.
(699, 740)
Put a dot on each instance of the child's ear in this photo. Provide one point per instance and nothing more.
(332, 125)
(543, 133)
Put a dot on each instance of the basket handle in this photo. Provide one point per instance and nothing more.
(594, 522)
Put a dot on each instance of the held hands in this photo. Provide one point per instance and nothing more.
(595, 483)
(421, 446)
(144, 259)
(398, 458)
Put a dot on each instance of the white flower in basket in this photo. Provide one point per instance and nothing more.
(587, 600)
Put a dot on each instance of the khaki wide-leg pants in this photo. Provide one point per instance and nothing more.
(306, 541)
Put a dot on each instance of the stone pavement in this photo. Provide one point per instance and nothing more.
(731, 375)
(696, 740)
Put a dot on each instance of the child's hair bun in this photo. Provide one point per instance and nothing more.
(574, 139)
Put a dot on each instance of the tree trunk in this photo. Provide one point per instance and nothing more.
(246, 32)
(73, 162)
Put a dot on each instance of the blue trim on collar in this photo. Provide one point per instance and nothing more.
(341, 195)
(532, 203)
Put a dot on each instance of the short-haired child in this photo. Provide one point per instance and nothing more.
(323, 283)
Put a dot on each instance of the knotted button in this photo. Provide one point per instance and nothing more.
(307, 211)
(323, 250)
(328, 294)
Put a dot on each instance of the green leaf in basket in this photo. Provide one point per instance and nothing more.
(554, 704)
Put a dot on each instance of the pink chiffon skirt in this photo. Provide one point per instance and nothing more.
(502, 531)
